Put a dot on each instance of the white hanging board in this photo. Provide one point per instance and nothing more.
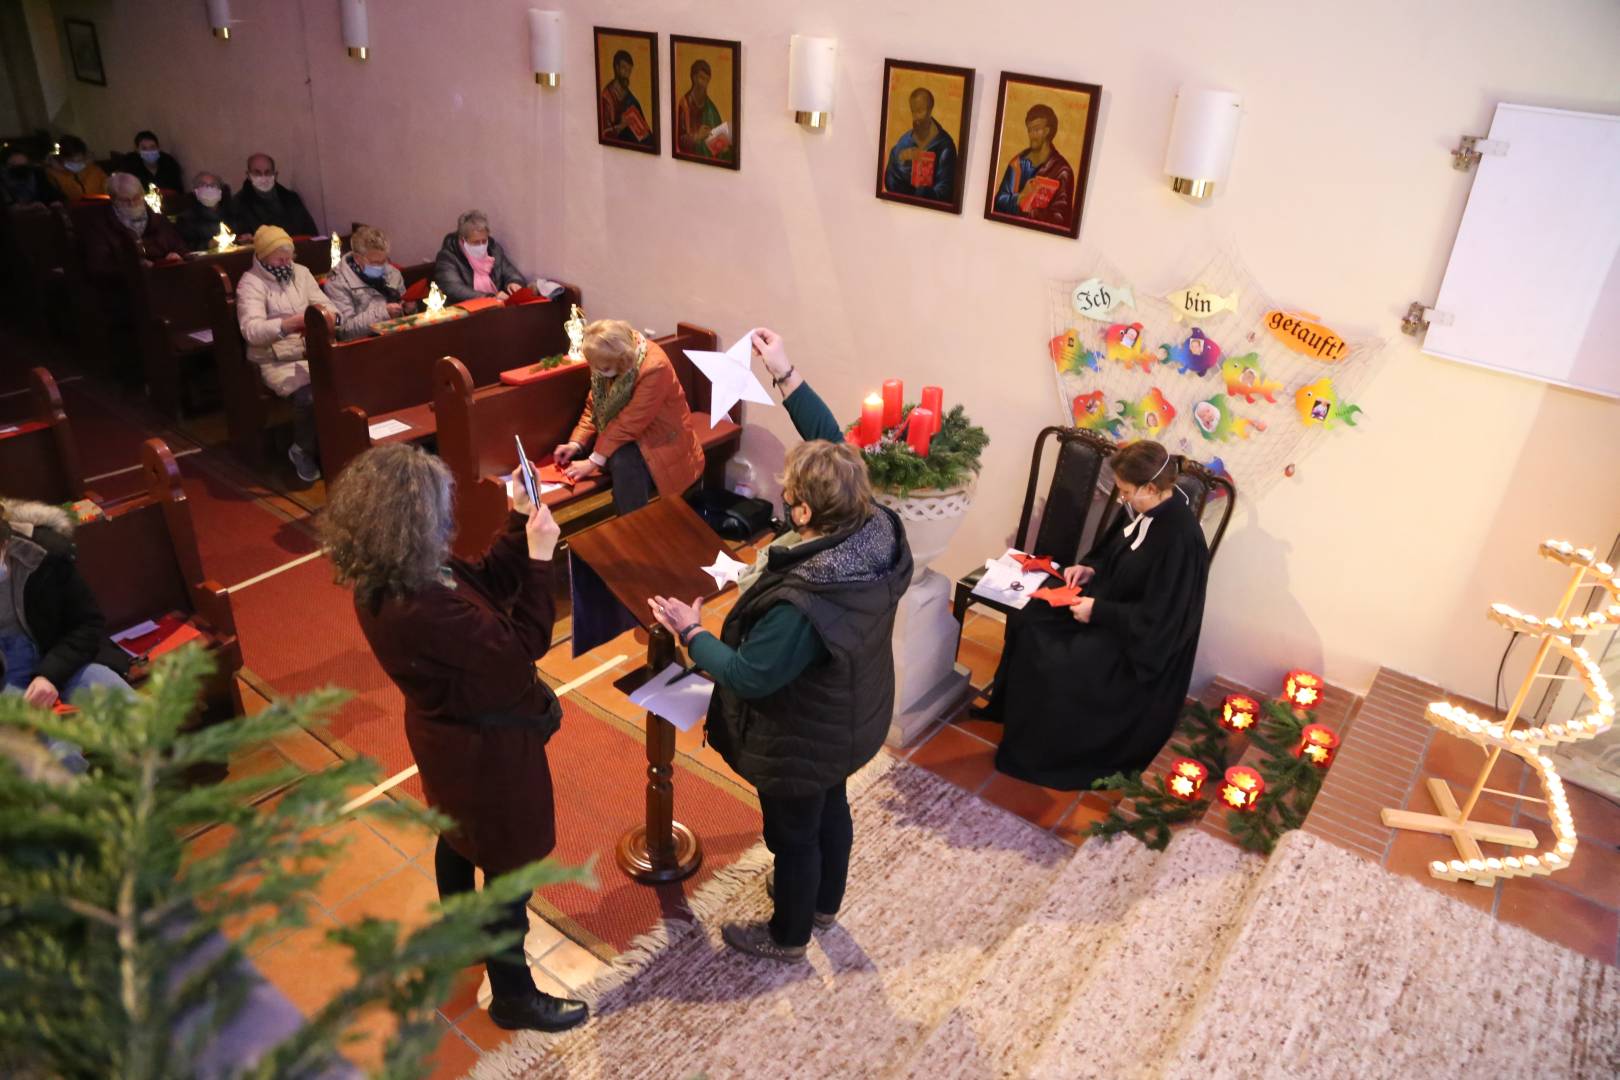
(1533, 285)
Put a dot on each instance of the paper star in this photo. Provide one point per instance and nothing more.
(1032, 563)
(724, 570)
(731, 377)
(1058, 596)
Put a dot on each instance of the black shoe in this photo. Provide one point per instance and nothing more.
(538, 1012)
(822, 920)
(986, 711)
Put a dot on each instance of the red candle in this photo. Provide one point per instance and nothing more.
(921, 430)
(933, 399)
(894, 393)
(871, 428)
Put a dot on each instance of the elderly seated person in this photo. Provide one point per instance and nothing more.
(471, 263)
(150, 164)
(364, 286)
(209, 207)
(263, 201)
(128, 227)
(73, 173)
(636, 424)
(24, 183)
(271, 300)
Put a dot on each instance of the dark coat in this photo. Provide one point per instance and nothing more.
(199, 224)
(455, 276)
(166, 174)
(27, 186)
(56, 606)
(109, 246)
(281, 206)
(477, 715)
(824, 725)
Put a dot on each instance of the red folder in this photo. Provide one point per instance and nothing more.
(417, 291)
(172, 632)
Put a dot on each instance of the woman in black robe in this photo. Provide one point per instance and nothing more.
(1097, 688)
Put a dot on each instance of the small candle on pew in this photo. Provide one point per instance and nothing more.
(921, 430)
(871, 427)
(894, 393)
(933, 399)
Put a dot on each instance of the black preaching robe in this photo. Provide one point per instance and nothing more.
(1082, 700)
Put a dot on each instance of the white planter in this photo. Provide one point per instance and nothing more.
(932, 518)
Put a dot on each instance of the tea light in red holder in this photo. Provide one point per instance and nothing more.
(1239, 712)
(1241, 788)
(1185, 779)
(1303, 690)
(1317, 745)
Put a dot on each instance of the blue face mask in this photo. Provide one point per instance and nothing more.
(374, 272)
(151, 156)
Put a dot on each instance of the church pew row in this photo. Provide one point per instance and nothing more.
(32, 254)
(373, 380)
(142, 562)
(38, 458)
(476, 426)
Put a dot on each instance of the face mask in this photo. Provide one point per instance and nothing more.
(374, 272)
(264, 183)
(283, 274)
(133, 215)
(208, 196)
(476, 251)
(73, 166)
(151, 156)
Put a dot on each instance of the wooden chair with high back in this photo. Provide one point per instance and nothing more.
(1212, 496)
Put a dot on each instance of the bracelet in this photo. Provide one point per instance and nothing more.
(778, 382)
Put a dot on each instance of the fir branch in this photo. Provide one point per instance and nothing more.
(954, 456)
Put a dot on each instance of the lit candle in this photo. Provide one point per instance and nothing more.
(920, 430)
(1317, 744)
(933, 399)
(1185, 779)
(1242, 788)
(894, 393)
(1303, 690)
(1239, 712)
(871, 420)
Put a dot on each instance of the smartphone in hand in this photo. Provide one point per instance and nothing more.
(526, 471)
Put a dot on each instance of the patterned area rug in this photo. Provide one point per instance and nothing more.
(937, 880)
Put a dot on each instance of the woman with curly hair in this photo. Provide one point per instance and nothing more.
(460, 638)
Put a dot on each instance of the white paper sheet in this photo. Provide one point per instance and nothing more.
(1006, 583)
(206, 337)
(545, 488)
(683, 704)
(387, 428)
(136, 631)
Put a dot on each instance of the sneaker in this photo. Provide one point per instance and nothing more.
(822, 921)
(307, 468)
(754, 938)
(538, 1012)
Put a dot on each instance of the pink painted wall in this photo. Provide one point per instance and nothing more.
(1390, 541)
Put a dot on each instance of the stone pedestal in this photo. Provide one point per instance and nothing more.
(928, 683)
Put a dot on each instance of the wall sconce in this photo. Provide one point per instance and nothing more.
(545, 46)
(812, 73)
(355, 34)
(219, 18)
(1202, 136)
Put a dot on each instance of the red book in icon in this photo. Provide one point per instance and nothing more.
(922, 168)
(636, 122)
(1037, 194)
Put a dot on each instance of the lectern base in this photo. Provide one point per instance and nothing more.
(636, 861)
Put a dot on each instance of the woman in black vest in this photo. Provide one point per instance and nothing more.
(804, 667)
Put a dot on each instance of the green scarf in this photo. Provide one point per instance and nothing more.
(610, 394)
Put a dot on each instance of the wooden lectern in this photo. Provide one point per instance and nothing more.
(657, 551)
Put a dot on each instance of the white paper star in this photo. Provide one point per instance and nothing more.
(725, 569)
(731, 377)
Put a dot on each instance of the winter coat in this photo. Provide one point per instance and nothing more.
(455, 274)
(477, 714)
(261, 303)
(280, 206)
(657, 420)
(357, 304)
(90, 180)
(52, 600)
(824, 725)
(166, 174)
(109, 245)
(199, 224)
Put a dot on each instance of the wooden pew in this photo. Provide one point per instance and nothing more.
(476, 426)
(142, 562)
(34, 248)
(374, 379)
(38, 457)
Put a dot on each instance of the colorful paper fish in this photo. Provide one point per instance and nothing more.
(1217, 422)
(1198, 302)
(1198, 355)
(1125, 345)
(1245, 379)
(1091, 414)
(1070, 356)
(1319, 404)
(1150, 415)
(1095, 298)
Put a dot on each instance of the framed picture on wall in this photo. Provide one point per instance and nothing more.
(627, 89)
(705, 87)
(85, 49)
(1041, 153)
(924, 134)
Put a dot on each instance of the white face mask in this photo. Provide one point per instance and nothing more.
(476, 251)
(151, 156)
(207, 195)
(264, 183)
(73, 166)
